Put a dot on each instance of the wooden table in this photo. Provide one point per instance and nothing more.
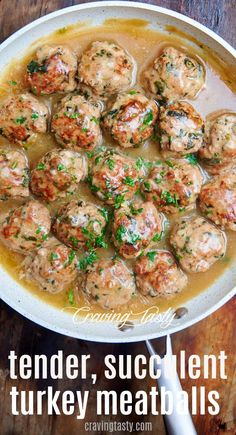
(209, 336)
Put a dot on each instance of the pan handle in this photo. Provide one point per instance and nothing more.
(176, 423)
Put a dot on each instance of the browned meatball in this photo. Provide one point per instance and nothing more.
(131, 119)
(106, 67)
(219, 150)
(21, 117)
(181, 129)
(217, 199)
(53, 70)
(58, 174)
(79, 224)
(157, 274)
(110, 283)
(174, 75)
(54, 267)
(135, 226)
(173, 185)
(114, 177)
(197, 243)
(14, 174)
(76, 123)
(26, 227)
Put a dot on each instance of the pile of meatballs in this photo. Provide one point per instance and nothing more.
(99, 96)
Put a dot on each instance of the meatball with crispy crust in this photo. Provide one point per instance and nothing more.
(135, 226)
(76, 123)
(106, 67)
(157, 274)
(53, 267)
(173, 185)
(131, 119)
(173, 75)
(24, 228)
(217, 199)
(58, 174)
(110, 283)
(219, 149)
(197, 243)
(79, 224)
(181, 129)
(114, 178)
(14, 174)
(21, 117)
(52, 70)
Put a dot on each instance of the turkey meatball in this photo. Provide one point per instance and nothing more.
(219, 150)
(76, 124)
(79, 224)
(53, 267)
(131, 119)
(110, 283)
(106, 67)
(157, 274)
(114, 178)
(174, 75)
(21, 117)
(53, 70)
(197, 243)
(58, 174)
(135, 226)
(217, 199)
(26, 227)
(173, 185)
(14, 174)
(181, 129)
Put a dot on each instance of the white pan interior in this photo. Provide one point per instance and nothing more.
(22, 300)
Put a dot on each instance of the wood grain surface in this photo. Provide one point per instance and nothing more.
(211, 335)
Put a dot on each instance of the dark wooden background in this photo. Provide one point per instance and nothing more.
(211, 335)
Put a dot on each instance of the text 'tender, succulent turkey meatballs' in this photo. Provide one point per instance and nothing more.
(114, 178)
(157, 274)
(217, 199)
(110, 283)
(173, 185)
(219, 149)
(58, 174)
(26, 227)
(79, 224)
(197, 243)
(14, 174)
(21, 117)
(76, 123)
(107, 68)
(135, 226)
(53, 70)
(131, 119)
(53, 266)
(174, 75)
(181, 129)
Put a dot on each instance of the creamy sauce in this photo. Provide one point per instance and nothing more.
(142, 43)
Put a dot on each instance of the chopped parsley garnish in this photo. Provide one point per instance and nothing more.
(71, 257)
(53, 256)
(110, 163)
(169, 198)
(71, 297)
(119, 199)
(158, 237)
(35, 115)
(40, 166)
(135, 211)
(34, 67)
(132, 92)
(129, 181)
(151, 255)
(192, 159)
(61, 167)
(20, 120)
(94, 119)
(87, 260)
(14, 165)
(139, 163)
